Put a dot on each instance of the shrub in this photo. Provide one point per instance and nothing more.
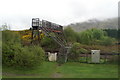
(84, 51)
(10, 43)
(107, 41)
(74, 52)
(29, 56)
(14, 54)
(49, 43)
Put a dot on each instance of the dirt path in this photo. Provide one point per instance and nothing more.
(57, 75)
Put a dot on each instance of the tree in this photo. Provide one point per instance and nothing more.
(4, 27)
(70, 34)
(94, 36)
(86, 37)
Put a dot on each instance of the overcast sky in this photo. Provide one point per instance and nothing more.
(18, 13)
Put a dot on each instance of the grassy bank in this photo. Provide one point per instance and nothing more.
(67, 70)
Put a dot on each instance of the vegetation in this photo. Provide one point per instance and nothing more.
(49, 43)
(10, 44)
(71, 35)
(92, 36)
(107, 41)
(95, 37)
(74, 52)
(14, 54)
(29, 59)
(114, 33)
(67, 70)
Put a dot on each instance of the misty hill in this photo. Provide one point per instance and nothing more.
(95, 23)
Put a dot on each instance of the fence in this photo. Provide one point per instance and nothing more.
(104, 58)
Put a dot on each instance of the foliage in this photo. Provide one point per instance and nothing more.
(83, 50)
(103, 49)
(29, 56)
(70, 34)
(114, 33)
(107, 41)
(74, 52)
(49, 43)
(26, 36)
(14, 54)
(91, 35)
(85, 37)
(10, 42)
(97, 33)
(95, 36)
(10, 37)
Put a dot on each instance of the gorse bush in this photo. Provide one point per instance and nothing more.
(14, 54)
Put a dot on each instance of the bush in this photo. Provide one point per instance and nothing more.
(10, 43)
(29, 56)
(49, 43)
(8, 54)
(14, 54)
(74, 52)
(84, 51)
(107, 41)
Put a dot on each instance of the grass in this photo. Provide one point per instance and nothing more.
(67, 70)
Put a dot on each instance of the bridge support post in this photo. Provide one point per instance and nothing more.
(63, 54)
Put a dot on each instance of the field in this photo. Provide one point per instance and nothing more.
(67, 70)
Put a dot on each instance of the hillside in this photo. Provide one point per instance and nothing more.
(95, 23)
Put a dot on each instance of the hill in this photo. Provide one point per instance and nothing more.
(111, 23)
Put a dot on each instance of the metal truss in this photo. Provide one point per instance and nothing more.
(53, 31)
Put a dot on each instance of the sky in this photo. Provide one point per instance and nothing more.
(18, 14)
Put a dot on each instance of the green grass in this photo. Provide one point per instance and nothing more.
(67, 70)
